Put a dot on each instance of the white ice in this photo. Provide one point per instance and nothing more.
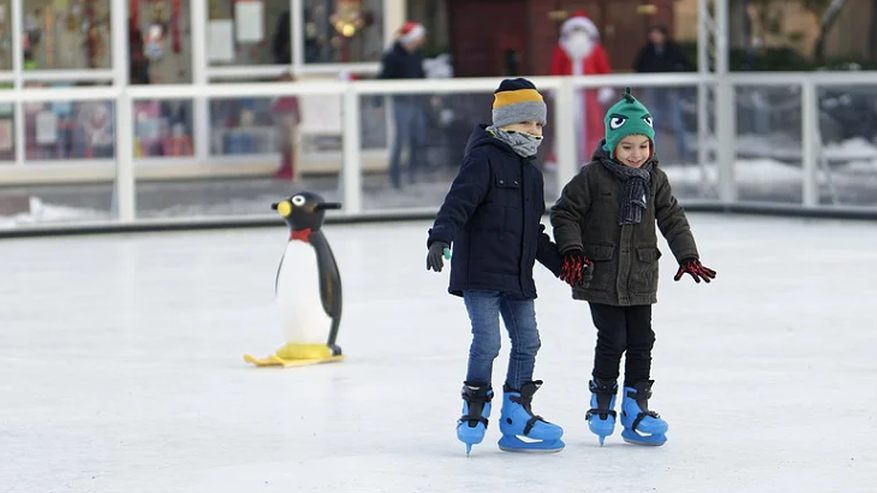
(121, 369)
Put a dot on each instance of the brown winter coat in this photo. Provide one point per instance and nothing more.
(625, 257)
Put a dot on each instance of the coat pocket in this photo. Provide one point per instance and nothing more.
(605, 270)
(507, 191)
(645, 271)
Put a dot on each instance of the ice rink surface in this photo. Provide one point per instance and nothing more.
(121, 369)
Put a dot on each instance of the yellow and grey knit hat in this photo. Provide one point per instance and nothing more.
(516, 101)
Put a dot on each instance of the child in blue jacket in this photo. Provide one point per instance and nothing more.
(492, 215)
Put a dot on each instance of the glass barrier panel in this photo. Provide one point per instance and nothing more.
(413, 146)
(768, 144)
(261, 150)
(847, 159)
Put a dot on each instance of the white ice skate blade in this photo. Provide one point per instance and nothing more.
(526, 439)
(647, 444)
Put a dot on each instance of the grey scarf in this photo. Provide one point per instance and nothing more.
(524, 145)
(636, 190)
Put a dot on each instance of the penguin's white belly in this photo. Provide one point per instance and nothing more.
(302, 317)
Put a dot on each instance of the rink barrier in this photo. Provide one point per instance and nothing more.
(562, 89)
(418, 214)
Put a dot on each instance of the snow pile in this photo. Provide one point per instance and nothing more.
(43, 213)
(857, 149)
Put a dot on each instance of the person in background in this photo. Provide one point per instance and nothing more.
(138, 70)
(662, 54)
(404, 60)
(280, 46)
(287, 116)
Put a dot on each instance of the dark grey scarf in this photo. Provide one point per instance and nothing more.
(636, 190)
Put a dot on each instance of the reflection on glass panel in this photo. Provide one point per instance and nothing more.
(273, 146)
(251, 125)
(66, 34)
(768, 144)
(338, 31)
(26, 206)
(5, 35)
(7, 133)
(163, 128)
(848, 153)
(427, 136)
(160, 51)
(248, 33)
(677, 139)
(69, 130)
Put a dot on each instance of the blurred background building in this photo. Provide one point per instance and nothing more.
(197, 152)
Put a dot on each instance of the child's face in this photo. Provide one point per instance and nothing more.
(633, 150)
(532, 128)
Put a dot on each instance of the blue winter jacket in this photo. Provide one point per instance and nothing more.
(491, 215)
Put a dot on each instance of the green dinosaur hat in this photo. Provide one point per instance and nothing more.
(627, 117)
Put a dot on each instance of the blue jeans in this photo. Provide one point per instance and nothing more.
(519, 316)
(665, 110)
(410, 126)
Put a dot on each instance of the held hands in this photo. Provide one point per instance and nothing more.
(577, 270)
(693, 267)
(437, 250)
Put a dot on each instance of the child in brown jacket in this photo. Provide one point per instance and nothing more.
(605, 217)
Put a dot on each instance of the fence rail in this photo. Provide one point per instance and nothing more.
(716, 121)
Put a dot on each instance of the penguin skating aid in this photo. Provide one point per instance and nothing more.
(307, 287)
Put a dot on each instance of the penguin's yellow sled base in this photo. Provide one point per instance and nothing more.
(273, 360)
(293, 355)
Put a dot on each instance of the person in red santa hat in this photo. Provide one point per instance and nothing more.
(580, 52)
(404, 60)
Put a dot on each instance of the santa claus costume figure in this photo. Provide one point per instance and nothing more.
(580, 52)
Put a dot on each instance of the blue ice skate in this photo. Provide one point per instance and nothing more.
(476, 409)
(522, 431)
(601, 416)
(641, 426)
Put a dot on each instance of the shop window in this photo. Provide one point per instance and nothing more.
(163, 128)
(5, 35)
(339, 31)
(7, 126)
(66, 34)
(69, 130)
(160, 51)
(253, 32)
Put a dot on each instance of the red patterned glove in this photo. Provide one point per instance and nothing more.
(693, 267)
(577, 269)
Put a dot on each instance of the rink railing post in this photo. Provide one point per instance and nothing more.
(565, 132)
(726, 129)
(703, 68)
(809, 144)
(125, 191)
(351, 174)
(726, 121)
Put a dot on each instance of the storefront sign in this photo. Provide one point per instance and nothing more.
(249, 21)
